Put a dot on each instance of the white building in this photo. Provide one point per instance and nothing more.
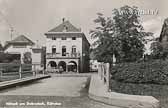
(67, 47)
(21, 45)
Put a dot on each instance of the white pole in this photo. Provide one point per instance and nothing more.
(108, 75)
(20, 71)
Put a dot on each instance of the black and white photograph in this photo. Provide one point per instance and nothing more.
(83, 54)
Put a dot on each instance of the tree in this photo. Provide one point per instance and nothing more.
(159, 51)
(121, 35)
(27, 58)
(159, 47)
(1, 48)
(102, 46)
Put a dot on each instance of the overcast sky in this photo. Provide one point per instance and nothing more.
(33, 18)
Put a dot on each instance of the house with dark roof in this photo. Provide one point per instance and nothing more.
(67, 48)
(21, 45)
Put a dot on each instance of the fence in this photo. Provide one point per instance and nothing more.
(10, 71)
(104, 73)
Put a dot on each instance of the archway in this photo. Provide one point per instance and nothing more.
(52, 64)
(62, 64)
(72, 66)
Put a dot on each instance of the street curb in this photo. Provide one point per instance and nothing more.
(98, 92)
(17, 82)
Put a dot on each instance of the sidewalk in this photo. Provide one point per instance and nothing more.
(12, 83)
(98, 92)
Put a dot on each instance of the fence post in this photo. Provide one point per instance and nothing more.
(108, 75)
(102, 72)
(1, 73)
(99, 71)
(34, 71)
(20, 71)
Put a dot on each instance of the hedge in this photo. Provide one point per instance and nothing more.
(151, 72)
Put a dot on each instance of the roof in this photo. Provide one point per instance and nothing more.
(164, 31)
(19, 40)
(65, 25)
(66, 28)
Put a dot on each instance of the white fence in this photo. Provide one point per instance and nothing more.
(104, 73)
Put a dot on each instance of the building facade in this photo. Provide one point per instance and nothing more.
(67, 48)
(19, 45)
(22, 45)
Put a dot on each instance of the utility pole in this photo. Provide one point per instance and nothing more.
(6, 20)
(11, 30)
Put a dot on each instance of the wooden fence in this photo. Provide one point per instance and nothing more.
(11, 71)
(104, 73)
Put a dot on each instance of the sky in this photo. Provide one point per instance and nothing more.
(33, 18)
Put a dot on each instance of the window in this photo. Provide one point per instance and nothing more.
(54, 38)
(63, 38)
(53, 49)
(73, 49)
(73, 38)
(63, 50)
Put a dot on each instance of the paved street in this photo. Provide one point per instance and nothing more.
(54, 86)
(68, 92)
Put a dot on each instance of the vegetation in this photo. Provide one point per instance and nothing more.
(121, 35)
(9, 58)
(1, 48)
(151, 72)
(148, 78)
(27, 58)
(160, 46)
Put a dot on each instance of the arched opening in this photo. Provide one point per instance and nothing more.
(52, 64)
(62, 65)
(72, 66)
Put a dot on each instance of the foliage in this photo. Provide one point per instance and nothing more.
(144, 72)
(121, 35)
(27, 58)
(9, 58)
(1, 47)
(138, 89)
(159, 50)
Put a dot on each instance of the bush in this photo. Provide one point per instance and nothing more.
(139, 89)
(151, 72)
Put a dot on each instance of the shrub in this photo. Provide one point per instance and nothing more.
(151, 72)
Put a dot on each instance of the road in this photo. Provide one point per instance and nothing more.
(54, 92)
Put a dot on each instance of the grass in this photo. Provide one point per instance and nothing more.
(160, 92)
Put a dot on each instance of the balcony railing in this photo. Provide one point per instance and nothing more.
(59, 55)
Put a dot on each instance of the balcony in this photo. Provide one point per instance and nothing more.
(59, 55)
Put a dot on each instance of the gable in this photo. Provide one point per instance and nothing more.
(65, 26)
(20, 40)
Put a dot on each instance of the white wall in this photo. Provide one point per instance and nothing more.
(36, 59)
(18, 50)
(68, 43)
